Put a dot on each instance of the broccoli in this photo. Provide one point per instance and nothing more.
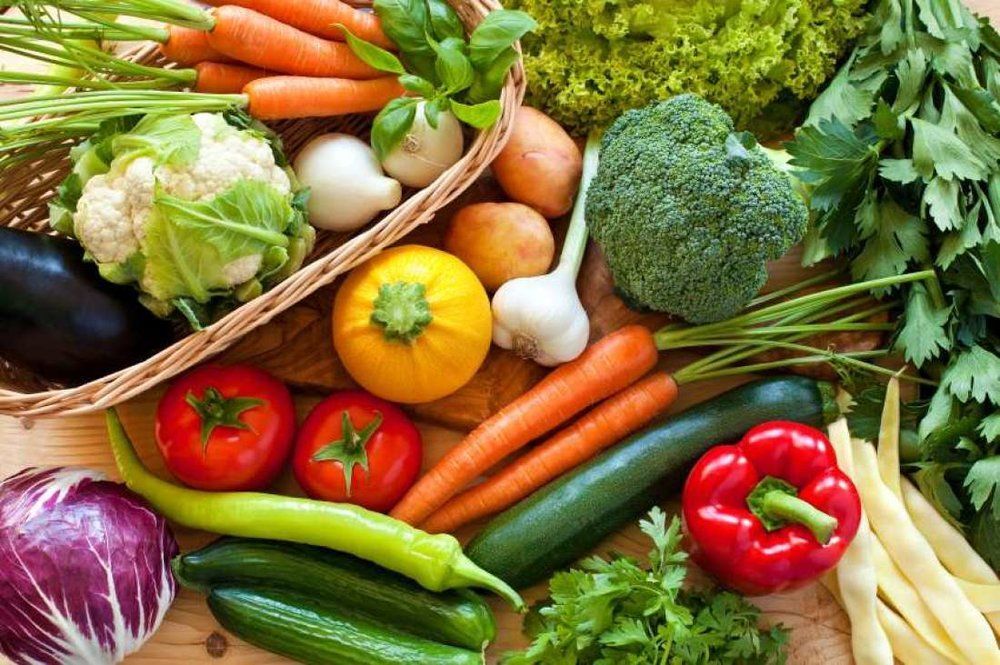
(687, 211)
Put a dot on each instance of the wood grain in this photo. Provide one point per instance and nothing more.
(297, 347)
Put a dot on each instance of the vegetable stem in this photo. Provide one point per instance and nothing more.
(576, 236)
(175, 12)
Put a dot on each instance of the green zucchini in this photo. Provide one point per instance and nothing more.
(311, 631)
(567, 518)
(460, 617)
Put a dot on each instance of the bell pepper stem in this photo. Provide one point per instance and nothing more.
(782, 505)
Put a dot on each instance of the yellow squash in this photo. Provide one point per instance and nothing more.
(412, 324)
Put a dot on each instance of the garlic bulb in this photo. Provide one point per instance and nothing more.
(542, 318)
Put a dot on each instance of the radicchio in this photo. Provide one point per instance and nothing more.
(84, 568)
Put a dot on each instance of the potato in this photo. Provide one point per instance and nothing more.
(540, 166)
(500, 241)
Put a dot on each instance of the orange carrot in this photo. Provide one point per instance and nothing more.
(187, 46)
(616, 417)
(283, 97)
(259, 40)
(223, 78)
(319, 17)
(606, 367)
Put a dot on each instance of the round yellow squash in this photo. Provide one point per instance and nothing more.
(412, 324)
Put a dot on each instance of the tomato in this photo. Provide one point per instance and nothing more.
(226, 428)
(356, 448)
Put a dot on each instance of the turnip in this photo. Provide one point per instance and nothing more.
(348, 188)
(425, 152)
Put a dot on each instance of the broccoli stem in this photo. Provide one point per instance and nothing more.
(576, 235)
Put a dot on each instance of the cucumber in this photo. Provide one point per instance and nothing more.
(567, 518)
(460, 618)
(311, 631)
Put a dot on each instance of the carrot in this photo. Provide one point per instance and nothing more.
(606, 367)
(610, 421)
(223, 78)
(282, 97)
(188, 46)
(259, 40)
(319, 17)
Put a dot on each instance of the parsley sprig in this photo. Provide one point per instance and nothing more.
(617, 612)
(902, 156)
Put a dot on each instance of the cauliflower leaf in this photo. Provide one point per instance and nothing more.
(192, 247)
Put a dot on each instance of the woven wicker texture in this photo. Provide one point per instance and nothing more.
(25, 191)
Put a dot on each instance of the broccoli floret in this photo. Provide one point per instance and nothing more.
(687, 211)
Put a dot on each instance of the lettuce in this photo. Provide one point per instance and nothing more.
(590, 60)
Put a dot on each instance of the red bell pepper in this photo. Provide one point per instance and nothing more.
(772, 512)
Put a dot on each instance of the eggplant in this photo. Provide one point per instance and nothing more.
(60, 320)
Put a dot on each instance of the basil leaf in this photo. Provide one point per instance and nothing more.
(433, 110)
(417, 84)
(452, 66)
(498, 31)
(444, 20)
(479, 116)
(489, 82)
(372, 55)
(406, 23)
(391, 124)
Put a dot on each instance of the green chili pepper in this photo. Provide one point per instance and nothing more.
(436, 562)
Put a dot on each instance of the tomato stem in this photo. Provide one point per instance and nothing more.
(351, 448)
(214, 410)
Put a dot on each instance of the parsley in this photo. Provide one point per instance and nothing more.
(902, 155)
(619, 613)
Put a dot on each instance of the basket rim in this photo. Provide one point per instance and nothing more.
(198, 346)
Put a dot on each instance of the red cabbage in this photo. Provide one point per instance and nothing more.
(84, 568)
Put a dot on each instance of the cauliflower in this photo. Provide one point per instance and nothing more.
(196, 212)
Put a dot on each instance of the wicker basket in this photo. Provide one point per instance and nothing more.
(24, 194)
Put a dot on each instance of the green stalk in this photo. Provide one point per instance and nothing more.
(819, 299)
(174, 12)
(731, 354)
(575, 243)
(86, 31)
(71, 117)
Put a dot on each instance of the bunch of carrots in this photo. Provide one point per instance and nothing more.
(288, 58)
(612, 374)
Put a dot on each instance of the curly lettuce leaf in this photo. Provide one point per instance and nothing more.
(587, 62)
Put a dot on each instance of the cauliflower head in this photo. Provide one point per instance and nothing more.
(687, 211)
(199, 212)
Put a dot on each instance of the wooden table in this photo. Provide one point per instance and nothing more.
(820, 631)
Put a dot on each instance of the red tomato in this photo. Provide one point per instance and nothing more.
(357, 436)
(226, 428)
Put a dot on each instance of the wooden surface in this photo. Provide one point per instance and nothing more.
(296, 347)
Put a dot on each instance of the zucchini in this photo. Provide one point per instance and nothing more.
(567, 518)
(311, 631)
(460, 618)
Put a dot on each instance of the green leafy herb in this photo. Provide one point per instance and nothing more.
(391, 124)
(372, 55)
(902, 154)
(619, 612)
(439, 64)
(479, 115)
